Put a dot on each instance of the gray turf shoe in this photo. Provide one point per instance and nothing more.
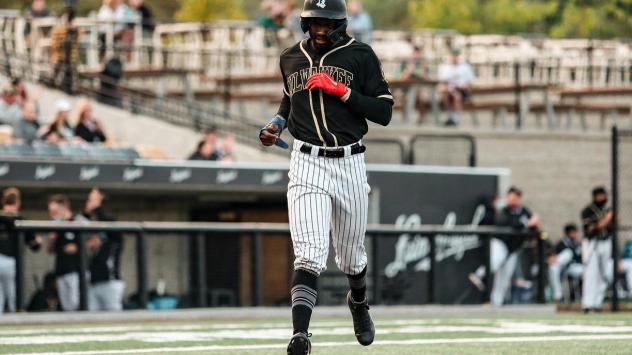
(299, 344)
(362, 323)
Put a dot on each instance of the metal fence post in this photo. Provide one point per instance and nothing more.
(615, 213)
(431, 272)
(200, 254)
(83, 266)
(375, 271)
(19, 268)
(141, 270)
(256, 272)
(518, 96)
(487, 278)
(540, 246)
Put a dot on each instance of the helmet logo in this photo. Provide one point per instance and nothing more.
(321, 4)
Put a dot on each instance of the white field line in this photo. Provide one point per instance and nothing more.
(486, 325)
(189, 334)
(531, 339)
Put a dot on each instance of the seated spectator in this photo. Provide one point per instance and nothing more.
(29, 124)
(37, 9)
(147, 18)
(10, 112)
(205, 151)
(87, 127)
(227, 148)
(455, 78)
(107, 289)
(59, 129)
(116, 17)
(360, 23)
(566, 261)
(208, 148)
(64, 50)
(21, 95)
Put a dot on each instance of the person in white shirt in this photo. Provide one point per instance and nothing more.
(455, 77)
(116, 15)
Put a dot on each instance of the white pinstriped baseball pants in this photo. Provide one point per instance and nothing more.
(328, 196)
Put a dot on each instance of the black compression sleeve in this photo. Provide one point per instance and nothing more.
(373, 109)
(284, 108)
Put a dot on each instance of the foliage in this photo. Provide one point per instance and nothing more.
(210, 10)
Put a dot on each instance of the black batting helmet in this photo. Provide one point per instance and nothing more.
(331, 9)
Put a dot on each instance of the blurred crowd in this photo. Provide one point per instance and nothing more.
(282, 20)
(21, 121)
(59, 289)
(577, 268)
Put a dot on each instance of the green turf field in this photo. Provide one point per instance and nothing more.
(557, 334)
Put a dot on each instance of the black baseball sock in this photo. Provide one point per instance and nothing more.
(357, 283)
(303, 299)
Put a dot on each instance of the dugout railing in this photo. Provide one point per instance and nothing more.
(202, 230)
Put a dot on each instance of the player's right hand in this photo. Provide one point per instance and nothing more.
(268, 135)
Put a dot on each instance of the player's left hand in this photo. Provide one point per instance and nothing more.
(325, 82)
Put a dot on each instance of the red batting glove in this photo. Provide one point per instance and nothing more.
(325, 82)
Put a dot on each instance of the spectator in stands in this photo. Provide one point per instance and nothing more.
(292, 23)
(117, 16)
(64, 50)
(414, 68)
(106, 290)
(21, 95)
(227, 148)
(208, 148)
(29, 124)
(87, 126)
(64, 245)
(10, 112)
(273, 20)
(520, 218)
(37, 9)
(146, 15)
(360, 23)
(11, 204)
(59, 130)
(567, 260)
(455, 78)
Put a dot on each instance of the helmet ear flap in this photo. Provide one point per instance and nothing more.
(305, 24)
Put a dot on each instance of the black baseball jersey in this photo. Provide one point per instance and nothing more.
(591, 216)
(325, 120)
(575, 248)
(517, 218)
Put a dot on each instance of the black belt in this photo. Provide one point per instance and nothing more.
(333, 153)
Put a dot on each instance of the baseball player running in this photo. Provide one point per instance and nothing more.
(332, 85)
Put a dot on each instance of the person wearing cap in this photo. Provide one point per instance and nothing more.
(567, 260)
(10, 112)
(59, 129)
(455, 76)
(11, 204)
(520, 218)
(596, 249)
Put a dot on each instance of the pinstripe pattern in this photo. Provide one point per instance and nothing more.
(328, 196)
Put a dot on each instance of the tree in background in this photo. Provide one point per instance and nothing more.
(210, 10)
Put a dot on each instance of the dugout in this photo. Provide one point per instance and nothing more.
(239, 192)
